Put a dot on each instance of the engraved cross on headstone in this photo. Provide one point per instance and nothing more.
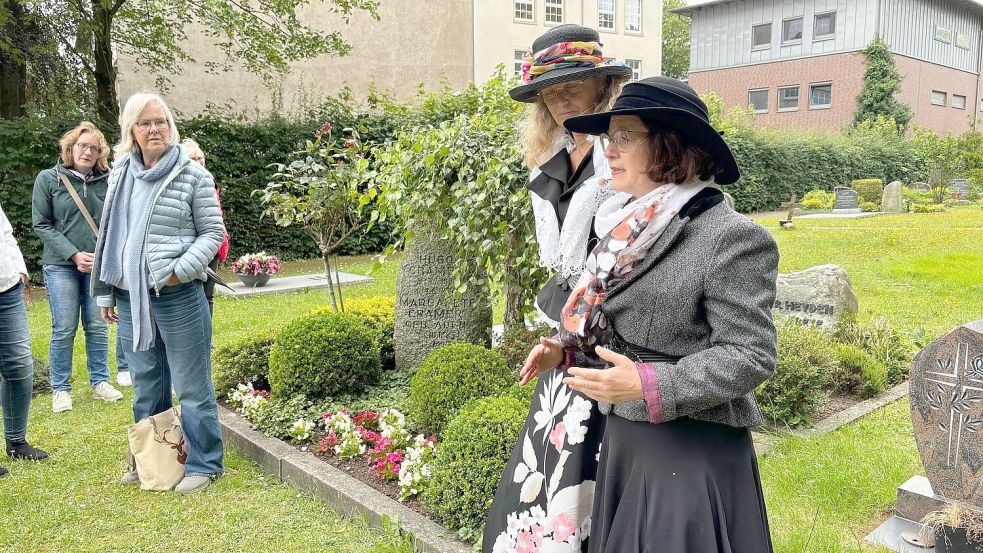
(958, 387)
(791, 205)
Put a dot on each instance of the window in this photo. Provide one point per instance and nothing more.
(792, 30)
(938, 98)
(636, 68)
(633, 16)
(520, 58)
(605, 15)
(554, 11)
(943, 35)
(825, 25)
(962, 41)
(820, 96)
(523, 10)
(761, 35)
(958, 102)
(758, 100)
(788, 98)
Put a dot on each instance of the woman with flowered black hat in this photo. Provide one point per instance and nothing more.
(676, 302)
(546, 492)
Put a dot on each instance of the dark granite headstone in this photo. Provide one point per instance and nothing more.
(427, 314)
(947, 412)
(847, 200)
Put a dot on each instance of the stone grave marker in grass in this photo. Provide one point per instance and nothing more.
(892, 200)
(847, 200)
(790, 205)
(818, 296)
(946, 392)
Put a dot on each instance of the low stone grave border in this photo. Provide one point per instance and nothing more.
(348, 495)
(355, 499)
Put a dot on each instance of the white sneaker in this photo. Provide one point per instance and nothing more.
(105, 391)
(123, 379)
(61, 401)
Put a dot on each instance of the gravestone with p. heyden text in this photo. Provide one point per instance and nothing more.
(428, 315)
(818, 296)
(847, 200)
(946, 388)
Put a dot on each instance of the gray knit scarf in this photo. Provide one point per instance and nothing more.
(111, 270)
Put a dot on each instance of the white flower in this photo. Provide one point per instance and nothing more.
(538, 515)
(576, 434)
(525, 520)
(512, 524)
(504, 544)
(301, 430)
(578, 411)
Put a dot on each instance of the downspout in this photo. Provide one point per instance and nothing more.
(474, 41)
(877, 21)
(581, 13)
(979, 63)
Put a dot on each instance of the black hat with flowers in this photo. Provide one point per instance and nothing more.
(563, 54)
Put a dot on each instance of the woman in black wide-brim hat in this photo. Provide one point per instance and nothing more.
(676, 303)
(546, 492)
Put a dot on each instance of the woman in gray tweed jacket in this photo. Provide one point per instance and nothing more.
(670, 330)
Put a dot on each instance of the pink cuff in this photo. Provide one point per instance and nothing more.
(650, 391)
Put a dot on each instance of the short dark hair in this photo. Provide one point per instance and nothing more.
(676, 159)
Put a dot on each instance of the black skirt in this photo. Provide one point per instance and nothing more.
(684, 486)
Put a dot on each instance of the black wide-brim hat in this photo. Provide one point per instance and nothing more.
(566, 33)
(664, 103)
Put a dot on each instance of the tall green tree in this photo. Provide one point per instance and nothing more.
(265, 36)
(675, 40)
(881, 82)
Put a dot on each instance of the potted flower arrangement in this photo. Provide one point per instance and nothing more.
(957, 529)
(255, 269)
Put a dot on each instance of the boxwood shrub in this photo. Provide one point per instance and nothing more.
(806, 365)
(379, 313)
(246, 359)
(869, 190)
(323, 354)
(867, 375)
(451, 376)
(470, 461)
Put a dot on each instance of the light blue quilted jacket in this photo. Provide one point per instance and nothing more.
(185, 228)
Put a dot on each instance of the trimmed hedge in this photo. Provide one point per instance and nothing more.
(470, 461)
(379, 313)
(450, 377)
(323, 354)
(869, 190)
(246, 359)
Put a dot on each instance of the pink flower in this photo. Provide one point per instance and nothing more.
(563, 528)
(350, 143)
(526, 543)
(557, 436)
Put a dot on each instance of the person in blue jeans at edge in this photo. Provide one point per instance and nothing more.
(161, 225)
(69, 240)
(16, 364)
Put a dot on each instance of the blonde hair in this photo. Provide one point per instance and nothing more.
(540, 130)
(69, 139)
(129, 116)
(191, 148)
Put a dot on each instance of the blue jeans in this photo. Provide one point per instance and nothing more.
(121, 365)
(181, 352)
(68, 298)
(16, 363)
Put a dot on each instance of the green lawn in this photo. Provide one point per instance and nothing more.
(823, 494)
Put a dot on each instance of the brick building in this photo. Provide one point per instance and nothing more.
(797, 63)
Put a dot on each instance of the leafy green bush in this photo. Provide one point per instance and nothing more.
(818, 199)
(277, 417)
(869, 190)
(42, 377)
(806, 364)
(245, 360)
(517, 342)
(379, 314)
(450, 377)
(877, 337)
(862, 373)
(522, 393)
(323, 354)
(869, 207)
(915, 196)
(470, 461)
(928, 208)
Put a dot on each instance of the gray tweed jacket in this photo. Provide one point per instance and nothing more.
(703, 293)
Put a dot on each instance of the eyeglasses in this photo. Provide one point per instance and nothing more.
(88, 148)
(157, 123)
(621, 139)
(569, 91)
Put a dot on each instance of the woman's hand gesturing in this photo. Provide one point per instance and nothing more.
(547, 355)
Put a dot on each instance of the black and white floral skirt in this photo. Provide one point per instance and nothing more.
(544, 500)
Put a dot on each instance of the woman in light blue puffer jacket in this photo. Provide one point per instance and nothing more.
(161, 225)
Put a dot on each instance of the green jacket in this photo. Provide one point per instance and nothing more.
(57, 219)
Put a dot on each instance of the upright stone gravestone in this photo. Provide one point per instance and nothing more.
(920, 186)
(818, 296)
(947, 412)
(892, 200)
(959, 186)
(847, 201)
(427, 314)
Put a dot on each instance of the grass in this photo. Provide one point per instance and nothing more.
(823, 495)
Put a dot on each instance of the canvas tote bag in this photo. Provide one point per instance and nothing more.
(158, 451)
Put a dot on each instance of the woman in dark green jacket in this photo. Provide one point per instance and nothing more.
(69, 240)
